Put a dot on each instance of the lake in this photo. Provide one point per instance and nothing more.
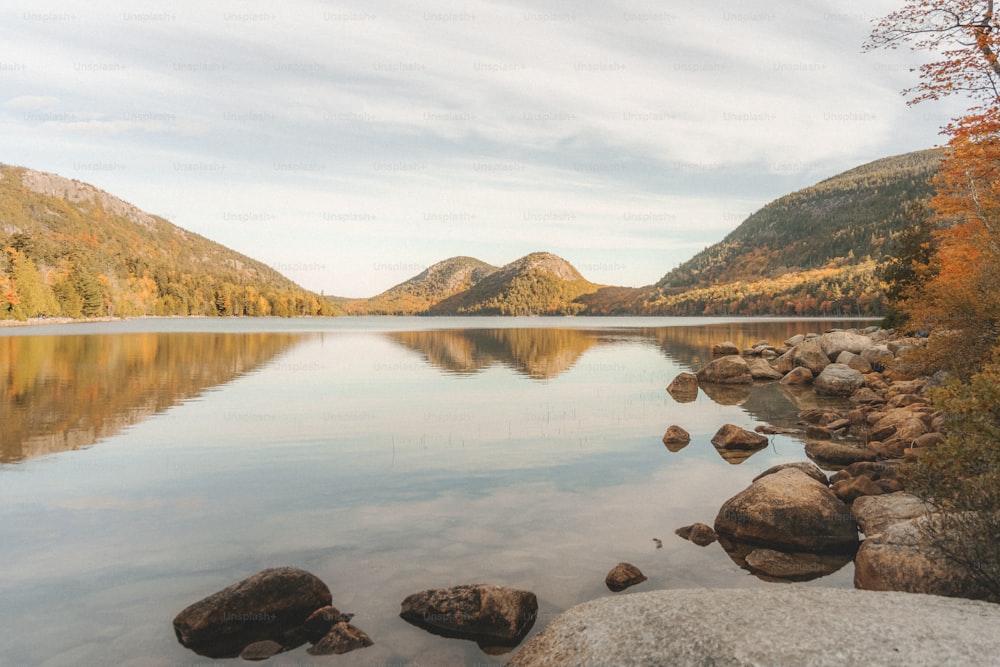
(147, 463)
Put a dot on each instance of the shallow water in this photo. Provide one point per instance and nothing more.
(148, 463)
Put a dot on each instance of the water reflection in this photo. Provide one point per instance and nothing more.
(536, 353)
(67, 392)
(543, 353)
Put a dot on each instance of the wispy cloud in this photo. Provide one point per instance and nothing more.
(484, 128)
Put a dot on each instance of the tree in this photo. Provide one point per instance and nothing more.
(963, 34)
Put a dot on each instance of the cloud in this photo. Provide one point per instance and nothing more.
(541, 125)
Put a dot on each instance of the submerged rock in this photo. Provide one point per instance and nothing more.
(341, 638)
(699, 533)
(684, 387)
(270, 605)
(676, 438)
(622, 576)
(489, 615)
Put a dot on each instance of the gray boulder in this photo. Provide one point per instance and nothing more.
(778, 625)
(834, 342)
(838, 380)
(877, 513)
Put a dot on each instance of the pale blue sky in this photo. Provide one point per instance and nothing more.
(352, 144)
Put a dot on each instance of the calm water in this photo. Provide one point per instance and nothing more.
(148, 463)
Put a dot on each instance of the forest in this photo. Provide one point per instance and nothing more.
(88, 255)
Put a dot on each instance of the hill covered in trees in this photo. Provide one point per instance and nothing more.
(425, 290)
(69, 249)
(537, 284)
(813, 252)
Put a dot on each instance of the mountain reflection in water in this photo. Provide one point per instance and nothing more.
(67, 392)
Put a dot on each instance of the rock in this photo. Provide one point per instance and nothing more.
(865, 396)
(850, 489)
(836, 454)
(725, 348)
(839, 424)
(321, 620)
(777, 625)
(489, 615)
(261, 650)
(899, 422)
(875, 514)
(810, 355)
(622, 576)
(833, 343)
(791, 511)
(838, 380)
(676, 438)
(798, 376)
(803, 466)
(684, 387)
(726, 370)
(699, 533)
(815, 432)
(761, 369)
(901, 558)
(342, 638)
(906, 400)
(878, 356)
(928, 440)
(795, 340)
(783, 364)
(855, 361)
(270, 605)
(731, 436)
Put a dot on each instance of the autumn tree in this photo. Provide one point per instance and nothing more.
(959, 302)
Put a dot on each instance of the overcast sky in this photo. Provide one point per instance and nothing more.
(352, 144)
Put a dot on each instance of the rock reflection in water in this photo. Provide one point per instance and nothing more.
(772, 565)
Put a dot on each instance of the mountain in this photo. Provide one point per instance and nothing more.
(69, 249)
(537, 284)
(425, 290)
(814, 251)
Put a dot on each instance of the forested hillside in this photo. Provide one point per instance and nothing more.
(68, 249)
(425, 290)
(537, 284)
(813, 252)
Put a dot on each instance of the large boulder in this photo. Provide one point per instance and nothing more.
(725, 348)
(800, 375)
(726, 370)
(876, 513)
(810, 355)
(489, 615)
(803, 466)
(833, 454)
(834, 342)
(790, 511)
(270, 605)
(838, 380)
(777, 625)
(902, 558)
(761, 369)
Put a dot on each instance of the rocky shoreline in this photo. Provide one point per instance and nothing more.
(794, 522)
